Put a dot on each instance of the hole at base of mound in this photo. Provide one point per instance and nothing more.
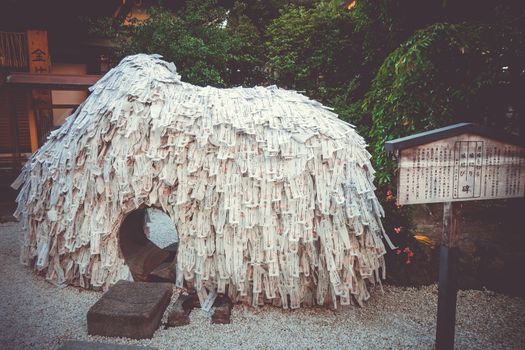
(148, 242)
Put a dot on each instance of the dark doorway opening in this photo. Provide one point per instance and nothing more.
(146, 261)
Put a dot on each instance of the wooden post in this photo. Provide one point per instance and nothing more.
(447, 294)
(33, 128)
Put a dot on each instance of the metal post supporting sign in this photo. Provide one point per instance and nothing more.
(447, 287)
(462, 162)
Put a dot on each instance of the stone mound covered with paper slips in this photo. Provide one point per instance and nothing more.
(272, 195)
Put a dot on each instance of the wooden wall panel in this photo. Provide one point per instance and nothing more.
(6, 136)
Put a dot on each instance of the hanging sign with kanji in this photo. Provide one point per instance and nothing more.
(38, 50)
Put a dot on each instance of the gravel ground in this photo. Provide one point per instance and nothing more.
(159, 228)
(36, 314)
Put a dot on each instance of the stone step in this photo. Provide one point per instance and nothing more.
(129, 309)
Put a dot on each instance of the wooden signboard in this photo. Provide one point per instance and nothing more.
(39, 62)
(37, 48)
(461, 168)
(461, 162)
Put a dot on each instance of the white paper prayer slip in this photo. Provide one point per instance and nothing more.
(272, 195)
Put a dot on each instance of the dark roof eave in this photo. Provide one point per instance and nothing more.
(451, 131)
(51, 81)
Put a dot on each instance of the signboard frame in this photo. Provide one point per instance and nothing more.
(461, 168)
(447, 287)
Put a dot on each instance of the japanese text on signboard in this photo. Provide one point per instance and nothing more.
(467, 167)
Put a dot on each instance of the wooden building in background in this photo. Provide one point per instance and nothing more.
(35, 96)
(48, 60)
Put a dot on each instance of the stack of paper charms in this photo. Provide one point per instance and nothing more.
(270, 192)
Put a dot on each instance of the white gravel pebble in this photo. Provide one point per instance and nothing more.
(34, 314)
(159, 228)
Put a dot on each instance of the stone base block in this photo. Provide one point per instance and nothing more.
(222, 310)
(129, 309)
(179, 315)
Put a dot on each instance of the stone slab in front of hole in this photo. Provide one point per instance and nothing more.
(90, 345)
(129, 309)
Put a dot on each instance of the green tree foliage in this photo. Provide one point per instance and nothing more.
(209, 45)
(193, 40)
(315, 49)
(333, 53)
(385, 24)
(247, 46)
(443, 74)
(307, 45)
